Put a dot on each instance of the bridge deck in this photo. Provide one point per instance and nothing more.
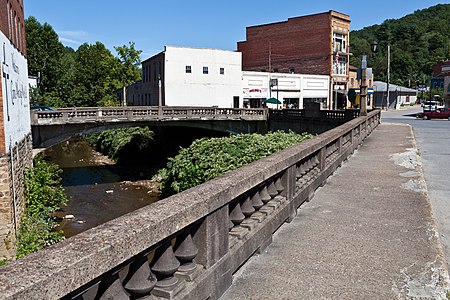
(367, 234)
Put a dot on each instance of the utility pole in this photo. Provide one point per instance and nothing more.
(159, 96)
(363, 88)
(388, 75)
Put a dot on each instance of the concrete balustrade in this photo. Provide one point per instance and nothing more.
(189, 245)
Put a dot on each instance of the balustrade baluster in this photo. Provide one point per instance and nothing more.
(264, 195)
(248, 210)
(236, 216)
(279, 185)
(185, 252)
(272, 190)
(257, 204)
(111, 288)
(164, 266)
(142, 280)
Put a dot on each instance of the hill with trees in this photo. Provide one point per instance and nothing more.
(418, 41)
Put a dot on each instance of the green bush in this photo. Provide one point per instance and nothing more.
(207, 158)
(114, 142)
(43, 196)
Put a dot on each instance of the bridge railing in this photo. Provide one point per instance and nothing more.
(137, 113)
(189, 245)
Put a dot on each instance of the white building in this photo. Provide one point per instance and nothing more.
(212, 77)
(190, 77)
(292, 90)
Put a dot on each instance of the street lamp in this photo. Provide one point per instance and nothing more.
(363, 87)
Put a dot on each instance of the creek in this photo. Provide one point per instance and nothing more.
(97, 188)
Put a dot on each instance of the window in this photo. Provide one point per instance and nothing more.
(205, 70)
(188, 69)
(275, 70)
(340, 66)
(222, 71)
(339, 42)
(292, 70)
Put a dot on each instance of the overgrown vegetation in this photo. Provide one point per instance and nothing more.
(207, 158)
(43, 196)
(116, 142)
(418, 41)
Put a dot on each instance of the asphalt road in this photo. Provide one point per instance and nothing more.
(433, 142)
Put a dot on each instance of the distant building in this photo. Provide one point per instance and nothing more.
(354, 85)
(211, 77)
(15, 129)
(189, 77)
(398, 95)
(292, 90)
(315, 44)
(441, 80)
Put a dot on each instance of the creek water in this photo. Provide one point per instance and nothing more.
(98, 190)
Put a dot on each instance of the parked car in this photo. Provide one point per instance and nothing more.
(440, 113)
(431, 105)
(41, 108)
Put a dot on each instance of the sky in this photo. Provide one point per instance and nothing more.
(195, 23)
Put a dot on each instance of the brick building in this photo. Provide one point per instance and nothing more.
(15, 130)
(314, 44)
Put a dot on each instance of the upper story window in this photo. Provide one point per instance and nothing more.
(339, 42)
(275, 70)
(188, 69)
(340, 66)
(222, 71)
(292, 70)
(205, 70)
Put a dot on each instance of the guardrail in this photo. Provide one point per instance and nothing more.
(140, 113)
(187, 246)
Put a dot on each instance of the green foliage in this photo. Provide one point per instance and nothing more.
(44, 53)
(207, 158)
(3, 262)
(418, 41)
(114, 142)
(43, 196)
(88, 76)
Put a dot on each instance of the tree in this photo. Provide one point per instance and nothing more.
(418, 41)
(96, 75)
(44, 53)
(131, 62)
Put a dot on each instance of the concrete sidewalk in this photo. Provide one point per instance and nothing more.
(367, 234)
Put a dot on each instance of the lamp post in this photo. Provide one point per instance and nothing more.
(363, 87)
(388, 75)
(159, 95)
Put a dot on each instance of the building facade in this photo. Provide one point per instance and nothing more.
(441, 80)
(189, 77)
(398, 95)
(315, 44)
(292, 90)
(15, 130)
(211, 77)
(354, 85)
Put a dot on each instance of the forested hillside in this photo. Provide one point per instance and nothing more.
(418, 41)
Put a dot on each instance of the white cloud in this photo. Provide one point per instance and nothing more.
(69, 41)
(73, 33)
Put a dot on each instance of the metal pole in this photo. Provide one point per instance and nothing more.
(159, 95)
(363, 88)
(388, 75)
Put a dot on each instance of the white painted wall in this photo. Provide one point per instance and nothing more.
(15, 93)
(301, 86)
(196, 88)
